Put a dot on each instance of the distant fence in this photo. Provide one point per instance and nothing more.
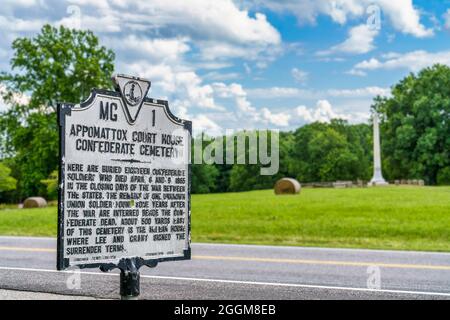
(360, 183)
(412, 182)
(336, 184)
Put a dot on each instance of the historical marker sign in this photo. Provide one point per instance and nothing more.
(124, 179)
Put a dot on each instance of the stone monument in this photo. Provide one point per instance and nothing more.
(377, 179)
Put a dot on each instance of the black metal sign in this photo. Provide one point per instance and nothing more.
(124, 180)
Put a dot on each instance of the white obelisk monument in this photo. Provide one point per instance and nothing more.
(377, 179)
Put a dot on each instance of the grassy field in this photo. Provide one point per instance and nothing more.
(408, 218)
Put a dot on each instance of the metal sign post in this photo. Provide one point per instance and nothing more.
(129, 284)
(124, 183)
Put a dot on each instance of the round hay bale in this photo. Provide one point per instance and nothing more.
(287, 186)
(34, 202)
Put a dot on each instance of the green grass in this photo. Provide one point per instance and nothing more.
(407, 218)
(28, 222)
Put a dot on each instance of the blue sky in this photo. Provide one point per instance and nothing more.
(253, 63)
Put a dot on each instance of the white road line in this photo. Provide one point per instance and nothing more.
(256, 246)
(26, 238)
(276, 260)
(273, 284)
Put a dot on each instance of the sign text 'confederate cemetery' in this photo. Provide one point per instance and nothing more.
(124, 178)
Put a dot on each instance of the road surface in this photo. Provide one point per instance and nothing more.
(219, 271)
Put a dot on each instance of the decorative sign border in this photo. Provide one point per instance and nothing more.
(65, 109)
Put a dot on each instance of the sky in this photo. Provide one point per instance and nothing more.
(253, 64)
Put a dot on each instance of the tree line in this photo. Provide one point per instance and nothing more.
(61, 64)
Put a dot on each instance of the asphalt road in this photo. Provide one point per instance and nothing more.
(220, 271)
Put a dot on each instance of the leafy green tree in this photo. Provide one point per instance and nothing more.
(360, 144)
(7, 183)
(443, 176)
(415, 127)
(330, 152)
(223, 177)
(203, 178)
(51, 184)
(300, 160)
(245, 177)
(57, 65)
(333, 159)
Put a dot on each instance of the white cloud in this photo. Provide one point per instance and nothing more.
(357, 73)
(8, 6)
(202, 123)
(219, 29)
(208, 19)
(212, 50)
(20, 99)
(106, 22)
(404, 17)
(279, 92)
(173, 42)
(177, 82)
(308, 10)
(152, 39)
(413, 61)
(199, 94)
(447, 19)
(202, 21)
(21, 3)
(359, 41)
(369, 64)
(261, 53)
(354, 111)
(221, 76)
(246, 115)
(402, 14)
(299, 75)
(391, 55)
(278, 119)
(156, 50)
(329, 59)
(289, 92)
(359, 92)
(12, 24)
(211, 65)
(239, 95)
(98, 4)
(323, 112)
